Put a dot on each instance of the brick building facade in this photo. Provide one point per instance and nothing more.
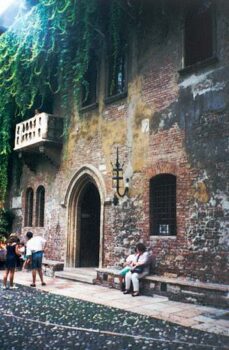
(170, 124)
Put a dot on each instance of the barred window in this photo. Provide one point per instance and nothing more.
(163, 205)
(29, 207)
(40, 206)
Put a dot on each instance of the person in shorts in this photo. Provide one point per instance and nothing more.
(34, 251)
(11, 260)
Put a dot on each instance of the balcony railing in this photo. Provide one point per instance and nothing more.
(42, 129)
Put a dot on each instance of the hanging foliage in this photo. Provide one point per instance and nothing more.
(46, 52)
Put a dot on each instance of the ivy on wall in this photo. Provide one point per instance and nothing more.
(46, 52)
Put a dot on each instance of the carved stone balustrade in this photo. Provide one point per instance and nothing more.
(40, 135)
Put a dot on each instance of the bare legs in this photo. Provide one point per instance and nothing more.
(5, 277)
(34, 274)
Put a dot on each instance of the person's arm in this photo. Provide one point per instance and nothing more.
(17, 250)
(28, 253)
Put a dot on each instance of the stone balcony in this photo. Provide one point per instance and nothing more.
(40, 136)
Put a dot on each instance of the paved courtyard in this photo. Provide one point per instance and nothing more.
(71, 315)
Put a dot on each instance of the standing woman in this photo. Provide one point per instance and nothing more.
(12, 253)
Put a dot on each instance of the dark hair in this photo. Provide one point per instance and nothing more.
(141, 247)
(29, 235)
(13, 239)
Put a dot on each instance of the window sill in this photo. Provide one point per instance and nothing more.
(115, 98)
(89, 107)
(196, 66)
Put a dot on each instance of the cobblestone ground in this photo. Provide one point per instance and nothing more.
(31, 319)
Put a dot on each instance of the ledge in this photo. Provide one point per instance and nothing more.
(182, 281)
(111, 99)
(197, 66)
(185, 282)
(89, 107)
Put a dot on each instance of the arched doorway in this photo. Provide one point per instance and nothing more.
(89, 226)
(85, 194)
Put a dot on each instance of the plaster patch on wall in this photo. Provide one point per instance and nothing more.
(102, 167)
(145, 125)
(224, 200)
(121, 107)
(194, 79)
(205, 87)
(201, 192)
(16, 202)
(201, 84)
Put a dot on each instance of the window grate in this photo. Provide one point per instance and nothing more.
(163, 205)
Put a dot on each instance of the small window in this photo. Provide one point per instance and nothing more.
(163, 205)
(40, 206)
(89, 86)
(198, 32)
(117, 75)
(29, 207)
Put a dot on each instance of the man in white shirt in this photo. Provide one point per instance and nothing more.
(35, 250)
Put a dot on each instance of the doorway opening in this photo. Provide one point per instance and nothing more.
(89, 226)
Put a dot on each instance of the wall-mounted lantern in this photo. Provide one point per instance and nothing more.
(118, 180)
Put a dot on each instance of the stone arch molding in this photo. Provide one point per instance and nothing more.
(84, 175)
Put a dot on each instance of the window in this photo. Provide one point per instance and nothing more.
(163, 205)
(117, 76)
(198, 32)
(90, 83)
(117, 69)
(40, 206)
(29, 207)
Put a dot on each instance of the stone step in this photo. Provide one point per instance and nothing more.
(85, 275)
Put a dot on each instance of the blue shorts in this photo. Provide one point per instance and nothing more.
(37, 260)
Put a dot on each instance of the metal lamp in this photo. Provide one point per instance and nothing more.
(117, 179)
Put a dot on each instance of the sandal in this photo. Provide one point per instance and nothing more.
(32, 285)
(135, 294)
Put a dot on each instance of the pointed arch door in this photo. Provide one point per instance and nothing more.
(89, 226)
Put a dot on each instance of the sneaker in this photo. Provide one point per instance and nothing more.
(33, 285)
(43, 284)
(13, 287)
(4, 287)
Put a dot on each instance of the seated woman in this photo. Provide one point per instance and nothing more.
(128, 264)
(139, 270)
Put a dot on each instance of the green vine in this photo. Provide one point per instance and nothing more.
(46, 53)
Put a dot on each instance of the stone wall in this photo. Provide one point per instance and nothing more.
(170, 122)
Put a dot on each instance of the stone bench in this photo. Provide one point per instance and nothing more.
(51, 266)
(176, 288)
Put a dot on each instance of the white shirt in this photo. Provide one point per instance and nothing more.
(131, 258)
(35, 244)
(143, 259)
